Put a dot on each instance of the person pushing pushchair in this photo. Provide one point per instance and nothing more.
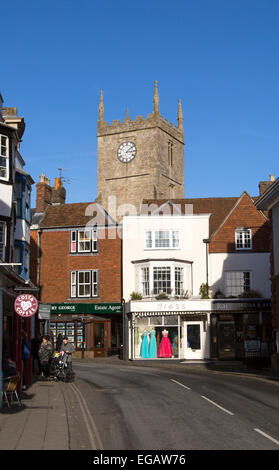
(62, 362)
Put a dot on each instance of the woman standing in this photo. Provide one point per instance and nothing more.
(45, 353)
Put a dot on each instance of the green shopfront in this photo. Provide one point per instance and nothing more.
(94, 328)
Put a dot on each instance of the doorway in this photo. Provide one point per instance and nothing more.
(226, 338)
(193, 340)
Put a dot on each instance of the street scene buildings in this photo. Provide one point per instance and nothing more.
(141, 272)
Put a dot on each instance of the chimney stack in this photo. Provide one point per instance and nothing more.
(264, 185)
(44, 194)
(58, 192)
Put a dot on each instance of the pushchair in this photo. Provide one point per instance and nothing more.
(59, 369)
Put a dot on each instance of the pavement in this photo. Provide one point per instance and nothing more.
(43, 420)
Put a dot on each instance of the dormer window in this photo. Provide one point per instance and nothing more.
(243, 238)
(4, 157)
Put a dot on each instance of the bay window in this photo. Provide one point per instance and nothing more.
(168, 278)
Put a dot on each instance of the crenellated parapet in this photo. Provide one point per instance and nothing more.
(152, 120)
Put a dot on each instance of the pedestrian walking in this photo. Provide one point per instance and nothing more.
(25, 354)
(59, 342)
(69, 349)
(45, 353)
(35, 345)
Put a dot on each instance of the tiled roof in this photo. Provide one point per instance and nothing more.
(218, 207)
(74, 215)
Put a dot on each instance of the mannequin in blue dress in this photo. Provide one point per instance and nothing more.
(153, 344)
(144, 345)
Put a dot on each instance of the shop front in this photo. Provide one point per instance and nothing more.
(94, 329)
(241, 330)
(169, 330)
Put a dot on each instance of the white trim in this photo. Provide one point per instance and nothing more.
(5, 178)
(242, 232)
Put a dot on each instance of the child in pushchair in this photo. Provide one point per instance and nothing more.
(58, 368)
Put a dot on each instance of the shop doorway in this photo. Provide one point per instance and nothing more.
(193, 340)
(99, 339)
(226, 341)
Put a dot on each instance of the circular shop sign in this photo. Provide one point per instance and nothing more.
(26, 305)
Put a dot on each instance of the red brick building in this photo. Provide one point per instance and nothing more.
(76, 261)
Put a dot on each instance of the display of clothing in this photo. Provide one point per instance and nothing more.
(144, 346)
(165, 348)
(152, 344)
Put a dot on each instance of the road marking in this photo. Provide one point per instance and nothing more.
(267, 436)
(218, 406)
(96, 443)
(180, 384)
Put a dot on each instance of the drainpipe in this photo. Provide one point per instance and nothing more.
(206, 241)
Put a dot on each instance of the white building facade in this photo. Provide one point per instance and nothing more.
(166, 261)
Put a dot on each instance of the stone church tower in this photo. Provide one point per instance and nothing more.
(141, 159)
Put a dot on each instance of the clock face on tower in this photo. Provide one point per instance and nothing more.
(126, 152)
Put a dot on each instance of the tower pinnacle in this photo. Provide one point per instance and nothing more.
(180, 115)
(156, 99)
(101, 108)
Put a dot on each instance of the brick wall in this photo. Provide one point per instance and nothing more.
(244, 215)
(57, 262)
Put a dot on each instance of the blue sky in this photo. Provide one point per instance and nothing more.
(219, 56)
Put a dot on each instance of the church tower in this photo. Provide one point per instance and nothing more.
(140, 159)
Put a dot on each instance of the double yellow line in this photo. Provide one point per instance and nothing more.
(95, 440)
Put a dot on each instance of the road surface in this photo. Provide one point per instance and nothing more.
(126, 407)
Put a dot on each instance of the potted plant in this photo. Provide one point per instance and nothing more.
(162, 296)
(204, 291)
(136, 296)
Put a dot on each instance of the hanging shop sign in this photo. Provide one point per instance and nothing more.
(44, 312)
(108, 308)
(26, 305)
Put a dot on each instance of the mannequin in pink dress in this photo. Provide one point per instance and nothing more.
(165, 348)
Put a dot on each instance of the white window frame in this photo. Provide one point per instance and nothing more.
(93, 242)
(145, 280)
(237, 272)
(240, 237)
(93, 283)
(3, 228)
(6, 178)
(150, 282)
(153, 237)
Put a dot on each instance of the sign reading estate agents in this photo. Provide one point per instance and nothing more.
(26, 305)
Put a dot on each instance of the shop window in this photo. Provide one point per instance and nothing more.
(237, 282)
(74, 331)
(157, 337)
(84, 241)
